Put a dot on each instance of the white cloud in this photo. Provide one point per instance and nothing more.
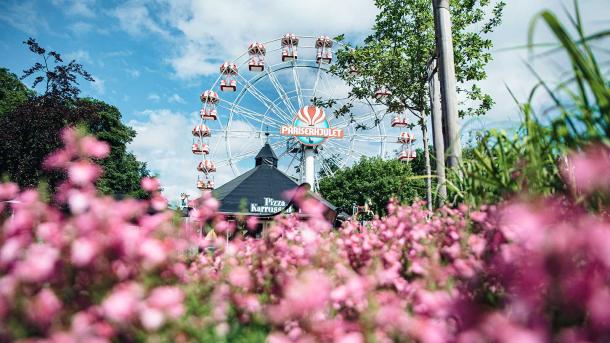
(99, 85)
(133, 72)
(175, 98)
(509, 69)
(154, 97)
(82, 8)
(81, 56)
(23, 16)
(80, 27)
(212, 31)
(162, 141)
(135, 18)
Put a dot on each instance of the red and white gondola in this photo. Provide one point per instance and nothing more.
(290, 43)
(399, 121)
(257, 53)
(205, 185)
(209, 97)
(406, 138)
(206, 166)
(382, 93)
(407, 155)
(208, 114)
(228, 71)
(324, 52)
(202, 131)
(200, 149)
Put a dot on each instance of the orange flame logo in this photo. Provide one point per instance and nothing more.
(311, 115)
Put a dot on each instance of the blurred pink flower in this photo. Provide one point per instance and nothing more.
(122, 303)
(251, 223)
(8, 191)
(150, 184)
(94, 148)
(588, 170)
(167, 299)
(152, 252)
(151, 318)
(83, 251)
(39, 263)
(240, 277)
(44, 307)
(83, 173)
(308, 293)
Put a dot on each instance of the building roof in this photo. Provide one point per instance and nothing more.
(261, 190)
(266, 156)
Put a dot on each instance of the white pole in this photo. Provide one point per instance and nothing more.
(437, 129)
(446, 67)
(310, 170)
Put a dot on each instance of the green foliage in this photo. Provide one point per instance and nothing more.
(396, 55)
(30, 125)
(12, 91)
(371, 178)
(503, 165)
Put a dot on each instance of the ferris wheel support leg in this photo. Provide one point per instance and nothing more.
(310, 162)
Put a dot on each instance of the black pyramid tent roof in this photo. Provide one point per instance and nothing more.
(265, 185)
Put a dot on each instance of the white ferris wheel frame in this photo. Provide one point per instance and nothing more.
(283, 108)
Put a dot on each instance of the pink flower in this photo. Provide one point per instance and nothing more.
(83, 173)
(121, 305)
(587, 171)
(78, 201)
(150, 184)
(352, 337)
(44, 307)
(308, 293)
(152, 319)
(167, 299)
(478, 216)
(39, 263)
(240, 277)
(57, 160)
(10, 250)
(83, 251)
(94, 148)
(158, 202)
(152, 253)
(251, 223)
(8, 191)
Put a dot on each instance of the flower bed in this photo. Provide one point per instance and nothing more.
(79, 267)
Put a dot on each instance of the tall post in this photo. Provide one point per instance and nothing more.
(434, 89)
(310, 159)
(444, 43)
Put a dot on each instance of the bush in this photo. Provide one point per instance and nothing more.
(83, 267)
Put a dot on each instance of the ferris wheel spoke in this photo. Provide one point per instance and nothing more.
(258, 117)
(297, 85)
(315, 85)
(251, 88)
(359, 119)
(325, 163)
(280, 90)
(290, 164)
(243, 155)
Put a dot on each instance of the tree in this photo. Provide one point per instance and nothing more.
(30, 129)
(371, 178)
(12, 91)
(397, 54)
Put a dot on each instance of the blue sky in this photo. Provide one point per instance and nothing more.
(152, 59)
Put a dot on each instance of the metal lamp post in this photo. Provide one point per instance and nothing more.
(446, 68)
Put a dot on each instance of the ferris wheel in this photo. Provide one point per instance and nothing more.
(282, 92)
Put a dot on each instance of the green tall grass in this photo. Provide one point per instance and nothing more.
(502, 165)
